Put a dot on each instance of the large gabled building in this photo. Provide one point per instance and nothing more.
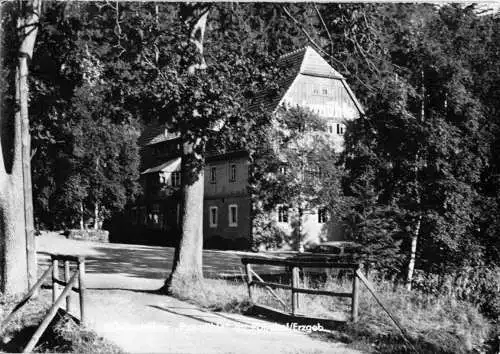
(227, 223)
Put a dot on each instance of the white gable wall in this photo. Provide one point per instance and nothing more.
(327, 97)
(331, 99)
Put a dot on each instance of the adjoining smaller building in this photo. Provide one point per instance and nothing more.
(227, 222)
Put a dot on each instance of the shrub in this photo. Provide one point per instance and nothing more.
(266, 234)
(477, 285)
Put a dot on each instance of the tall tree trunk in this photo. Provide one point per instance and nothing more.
(28, 28)
(96, 216)
(17, 243)
(413, 253)
(300, 244)
(416, 230)
(187, 266)
(82, 224)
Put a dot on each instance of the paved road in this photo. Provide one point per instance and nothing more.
(123, 308)
(125, 266)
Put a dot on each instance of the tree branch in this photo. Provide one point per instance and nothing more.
(325, 27)
(346, 70)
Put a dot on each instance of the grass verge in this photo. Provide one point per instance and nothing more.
(434, 324)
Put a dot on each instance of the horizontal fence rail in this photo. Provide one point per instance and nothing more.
(295, 263)
(70, 284)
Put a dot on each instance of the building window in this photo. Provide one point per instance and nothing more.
(283, 169)
(330, 129)
(175, 178)
(163, 178)
(134, 215)
(143, 216)
(322, 215)
(233, 215)
(315, 91)
(340, 129)
(213, 211)
(282, 214)
(325, 91)
(154, 215)
(213, 174)
(232, 173)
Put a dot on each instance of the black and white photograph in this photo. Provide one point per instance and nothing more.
(249, 177)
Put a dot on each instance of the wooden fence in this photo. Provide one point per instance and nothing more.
(295, 264)
(69, 282)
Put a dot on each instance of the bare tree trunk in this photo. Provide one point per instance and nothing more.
(187, 266)
(96, 216)
(416, 231)
(413, 253)
(28, 28)
(17, 246)
(26, 157)
(82, 224)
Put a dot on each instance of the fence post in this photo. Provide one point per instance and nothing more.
(66, 279)
(248, 269)
(295, 295)
(55, 275)
(81, 281)
(355, 295)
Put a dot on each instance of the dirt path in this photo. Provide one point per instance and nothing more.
(123, 307)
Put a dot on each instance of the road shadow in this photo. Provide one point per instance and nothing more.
(141, 263)
(202, 318)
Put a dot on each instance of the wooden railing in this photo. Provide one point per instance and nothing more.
(298, 261)
(295, 264)
(69, 283)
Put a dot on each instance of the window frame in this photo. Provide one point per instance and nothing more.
(232, 172)
(175, 181)
(340, 129)
(213, 174)
(283, 214)
(211, 222)
(322, 216)
(230, 215)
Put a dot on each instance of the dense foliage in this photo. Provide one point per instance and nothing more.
(422, 166)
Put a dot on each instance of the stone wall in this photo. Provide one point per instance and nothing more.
(88, 235)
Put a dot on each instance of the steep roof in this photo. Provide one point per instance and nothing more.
(308, 62)
(169, 166)
(305, 61)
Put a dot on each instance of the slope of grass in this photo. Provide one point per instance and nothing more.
(434, 324)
